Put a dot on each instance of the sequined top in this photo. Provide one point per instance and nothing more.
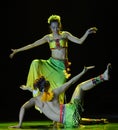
(58, 43)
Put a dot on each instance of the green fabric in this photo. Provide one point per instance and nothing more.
(51, 69)
(72, 114)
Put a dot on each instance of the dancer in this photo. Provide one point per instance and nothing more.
(68, 114)
(55, 69)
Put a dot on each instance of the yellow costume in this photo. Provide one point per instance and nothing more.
(54, 70)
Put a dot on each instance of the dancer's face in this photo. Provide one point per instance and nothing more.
(55, 27)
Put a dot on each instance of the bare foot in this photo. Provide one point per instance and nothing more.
(106, 75)
(23, 87)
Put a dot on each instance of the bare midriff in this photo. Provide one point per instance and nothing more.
(58, 48)
(59, 54)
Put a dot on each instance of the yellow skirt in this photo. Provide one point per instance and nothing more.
(52, 69)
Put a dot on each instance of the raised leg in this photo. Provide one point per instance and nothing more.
(89, 84)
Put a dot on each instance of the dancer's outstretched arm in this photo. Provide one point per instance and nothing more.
(66, 85)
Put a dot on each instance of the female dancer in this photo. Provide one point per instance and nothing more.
(56, 68)
(68, 114)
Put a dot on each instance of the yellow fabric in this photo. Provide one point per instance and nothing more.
(52, 70)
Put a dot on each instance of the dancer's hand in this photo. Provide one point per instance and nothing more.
(17, 126)
(92, 30)
(14, 51)
(87, 68)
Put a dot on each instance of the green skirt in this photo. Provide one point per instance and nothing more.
(72, 114)
(51, 69)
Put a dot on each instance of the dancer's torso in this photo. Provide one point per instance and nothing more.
(50, 109)
(58, 46)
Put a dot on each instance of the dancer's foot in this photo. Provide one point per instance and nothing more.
(23, 87)
(106, 74)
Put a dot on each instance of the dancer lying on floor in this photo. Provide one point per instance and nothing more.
(68, 114)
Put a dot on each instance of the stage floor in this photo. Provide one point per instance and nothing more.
(47, 125)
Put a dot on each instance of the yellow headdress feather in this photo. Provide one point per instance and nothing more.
(47, 96)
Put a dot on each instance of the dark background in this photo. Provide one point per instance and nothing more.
(25, 21)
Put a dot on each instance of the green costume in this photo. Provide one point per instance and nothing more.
(70, 114)
(51, 69)
(54, 70)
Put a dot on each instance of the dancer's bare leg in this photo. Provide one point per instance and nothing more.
(89, 84)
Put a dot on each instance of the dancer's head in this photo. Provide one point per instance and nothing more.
(54, 22)
(42, 84)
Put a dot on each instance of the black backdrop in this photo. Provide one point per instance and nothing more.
(23, 22)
